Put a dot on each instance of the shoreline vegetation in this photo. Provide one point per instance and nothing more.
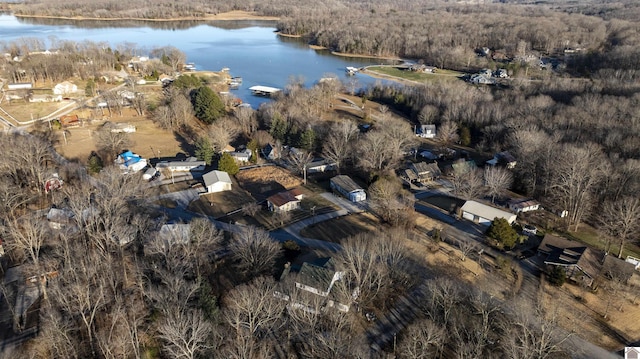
(226, 16)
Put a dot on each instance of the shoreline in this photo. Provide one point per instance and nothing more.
(344, 54)
(227, 16)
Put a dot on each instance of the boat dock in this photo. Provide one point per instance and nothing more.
(264, 90)
(351, 70)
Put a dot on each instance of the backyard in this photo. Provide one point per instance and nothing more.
(337, 229)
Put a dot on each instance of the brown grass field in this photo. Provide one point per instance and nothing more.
(262, 182)
(337, 229)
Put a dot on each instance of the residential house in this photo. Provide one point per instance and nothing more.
(581, 263)
(271, 152)
(425, 172)
(69, 120)
(320, 166)
(175, 233)
(422, 68)
(20, 86)
(285, 201)
(523, 205)
(484, 214)
(59, 218)
(241, 157)
(130, 162)
(481, 80)
(348, 188)
(316, 280)
(65, 88)
(190, 164)
(426, 131)
(217, 181)
(504, 158)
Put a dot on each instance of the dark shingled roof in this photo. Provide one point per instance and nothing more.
(317, 276)
(561, 251)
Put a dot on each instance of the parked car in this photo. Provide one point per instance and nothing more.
(529, 230)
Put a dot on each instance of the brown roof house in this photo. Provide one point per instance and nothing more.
(285, 201)
(581, 263)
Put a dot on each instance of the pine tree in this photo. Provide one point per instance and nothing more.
(307, 139)
(207, 105)
(502, 231)
(204, 150)
(95, 163)
(228, 164)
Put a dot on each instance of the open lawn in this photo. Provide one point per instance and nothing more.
(440, 75)
(219, 204)
(446, 203)
(263, 182)
(590, 236)
(334, 230)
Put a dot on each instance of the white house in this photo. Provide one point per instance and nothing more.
(426, 131)
(348, 188)
(285, 201)
(20, 86)
(217, 181)
(241, 156)
(523, 205)
(483, 214)
(318, 279)
(191, 164)
(65, 88)
(320, 166)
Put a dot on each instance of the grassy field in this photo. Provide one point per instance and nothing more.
(588, 235)
(219, 204)
(336, 229)
(440, 75)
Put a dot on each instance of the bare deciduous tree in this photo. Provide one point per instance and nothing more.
(185, 333)
(255, 251)
(467, 185)
(497, 180)
(421, 340)
(447, 134)
(337, 146)
(621, 220)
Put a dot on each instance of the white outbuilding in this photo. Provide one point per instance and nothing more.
(483, 214)
(217, 181)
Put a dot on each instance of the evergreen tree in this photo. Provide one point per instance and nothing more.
(307, 139)
(187, 82)
(207, 105)
(204, 150)
(465, 136)
(278, 128)
(228, 164)
(95, 163)
(557, 276)
(502, 231)
(253, 146)
(90, 88)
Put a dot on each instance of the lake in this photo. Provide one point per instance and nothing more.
(250, 49)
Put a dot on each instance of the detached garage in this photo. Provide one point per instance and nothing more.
(483, 214)
(217, 181)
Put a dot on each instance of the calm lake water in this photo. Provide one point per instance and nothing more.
(250, 49)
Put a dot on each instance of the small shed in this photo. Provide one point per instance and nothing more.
(217, 181)
(348, 188)
(483, 214)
